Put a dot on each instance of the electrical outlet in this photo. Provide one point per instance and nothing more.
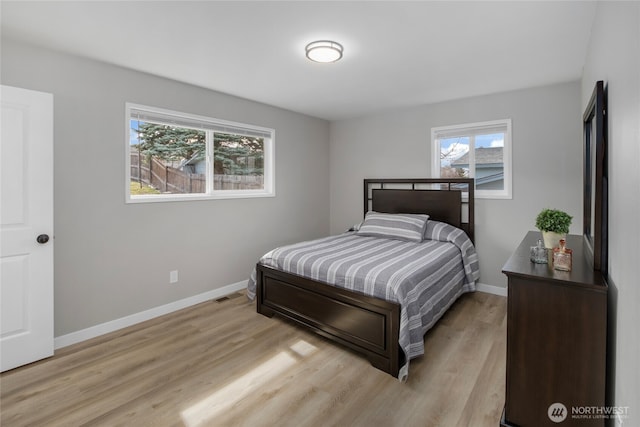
(173, 276)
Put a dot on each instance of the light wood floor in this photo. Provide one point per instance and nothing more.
(221, 364)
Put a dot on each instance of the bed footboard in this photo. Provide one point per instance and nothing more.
(367, 325)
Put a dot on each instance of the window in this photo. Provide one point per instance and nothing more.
(475, 150)
(175, 156)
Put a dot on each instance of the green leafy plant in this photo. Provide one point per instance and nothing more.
(553, 220)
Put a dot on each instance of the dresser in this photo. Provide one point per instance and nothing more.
(556, 340)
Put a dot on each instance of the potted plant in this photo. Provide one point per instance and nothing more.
(554, 225)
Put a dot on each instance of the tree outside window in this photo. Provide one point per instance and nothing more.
(200, 157)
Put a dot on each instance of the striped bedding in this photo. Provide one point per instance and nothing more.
(424, 278)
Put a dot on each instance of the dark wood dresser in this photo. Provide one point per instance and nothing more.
(556, 339)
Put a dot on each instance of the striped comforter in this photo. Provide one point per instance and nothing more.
(424, 278)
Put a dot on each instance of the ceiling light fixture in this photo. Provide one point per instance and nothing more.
(324, 51)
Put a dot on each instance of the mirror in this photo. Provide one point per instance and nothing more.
(595, 206)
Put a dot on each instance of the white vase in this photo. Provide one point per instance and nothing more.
(551, 239)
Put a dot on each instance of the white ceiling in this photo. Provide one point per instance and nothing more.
(396, 54)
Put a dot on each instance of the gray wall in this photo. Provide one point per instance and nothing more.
(614, 56)
(547, 161)
(113, 259)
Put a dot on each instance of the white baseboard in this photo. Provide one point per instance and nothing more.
(123, 322)
(491, 289)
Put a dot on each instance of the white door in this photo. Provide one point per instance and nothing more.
(26, 217)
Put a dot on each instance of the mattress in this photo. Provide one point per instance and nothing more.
(425, 278)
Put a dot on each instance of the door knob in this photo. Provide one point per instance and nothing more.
(42, 239)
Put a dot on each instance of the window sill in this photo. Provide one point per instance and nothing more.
(196, 197)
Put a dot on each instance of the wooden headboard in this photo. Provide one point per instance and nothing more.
(449, 200)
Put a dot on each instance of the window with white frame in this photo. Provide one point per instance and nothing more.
(475, 150)
(174, 156)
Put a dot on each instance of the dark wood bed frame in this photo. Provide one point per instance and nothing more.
(365, 324)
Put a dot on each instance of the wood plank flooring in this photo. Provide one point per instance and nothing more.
(222, 364)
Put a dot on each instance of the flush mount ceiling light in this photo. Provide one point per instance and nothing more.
(324, 51)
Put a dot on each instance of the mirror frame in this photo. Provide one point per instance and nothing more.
(595, 182)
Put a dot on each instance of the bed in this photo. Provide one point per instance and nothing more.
(367, 321)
